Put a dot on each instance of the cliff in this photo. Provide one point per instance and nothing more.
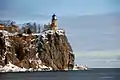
(49, 48)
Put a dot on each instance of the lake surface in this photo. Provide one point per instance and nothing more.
(93, 74)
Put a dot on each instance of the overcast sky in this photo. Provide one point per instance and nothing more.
(31, 8)
(92, 26)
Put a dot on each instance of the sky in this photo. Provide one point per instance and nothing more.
(92, 26)
(60, 7)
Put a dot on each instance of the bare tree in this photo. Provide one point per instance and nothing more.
(39, 28)
(34, 25)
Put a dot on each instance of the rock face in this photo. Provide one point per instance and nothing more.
(55, 51)
(49, 48)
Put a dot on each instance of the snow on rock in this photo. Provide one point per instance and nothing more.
(44, 36)
(36, 34)
(80, 67)
(45, 68)
(6, 33)
(7, 43)
(60, 32)
(37, 55)
(45, 33)
(12, 68)
(25, 34)
(40, 66)
(77, 67)
(49, 32)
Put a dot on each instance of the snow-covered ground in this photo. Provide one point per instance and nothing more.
(12, 68)
(80, 67)
(6, 33)
(59, 32)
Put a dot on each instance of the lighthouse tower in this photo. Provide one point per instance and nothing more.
(54, 22)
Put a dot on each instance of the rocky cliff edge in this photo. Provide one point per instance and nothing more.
(50, 49)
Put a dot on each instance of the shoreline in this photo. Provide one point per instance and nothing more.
(12, 68)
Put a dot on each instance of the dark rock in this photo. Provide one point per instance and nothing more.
(54, 51)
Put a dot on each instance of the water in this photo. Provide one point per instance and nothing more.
(94, 74)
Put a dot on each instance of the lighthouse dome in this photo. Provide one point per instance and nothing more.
(54, 16)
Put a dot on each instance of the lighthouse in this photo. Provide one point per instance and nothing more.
(54, 22)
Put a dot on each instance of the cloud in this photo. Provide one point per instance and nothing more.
(93, 32)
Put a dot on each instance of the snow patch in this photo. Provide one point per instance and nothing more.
(49, 32)
(80, 67)
(7, 43)
(6, 33)
(36, 34)
(25, 34)
(60, 32)
(37, 55)
(12, 68)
